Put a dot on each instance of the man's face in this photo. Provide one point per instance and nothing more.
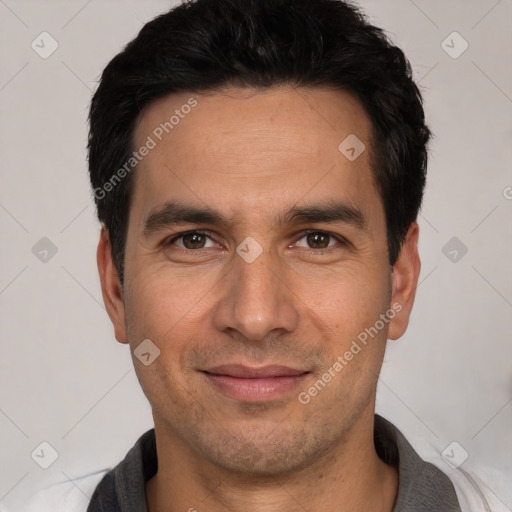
(222, 308)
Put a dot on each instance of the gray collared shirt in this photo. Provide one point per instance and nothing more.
(422, 487)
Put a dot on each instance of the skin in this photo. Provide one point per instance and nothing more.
(253, 155)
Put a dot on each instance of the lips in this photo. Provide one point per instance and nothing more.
(249, 384)
(246, 372)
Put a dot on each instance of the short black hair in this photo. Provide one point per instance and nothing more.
(205, 45)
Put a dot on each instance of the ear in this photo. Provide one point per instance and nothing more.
(111, 286)
(404, 281)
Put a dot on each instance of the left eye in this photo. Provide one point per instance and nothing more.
(317, 240)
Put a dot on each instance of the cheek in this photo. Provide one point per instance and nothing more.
(169, 309)
(345, 302)
(161, 303)
(349, 308)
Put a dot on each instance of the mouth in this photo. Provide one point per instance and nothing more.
(250, 384)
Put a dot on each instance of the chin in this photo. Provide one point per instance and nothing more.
(262, 454)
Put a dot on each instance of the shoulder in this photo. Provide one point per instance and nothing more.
(428, 479)
(69, 496)
(480, 488)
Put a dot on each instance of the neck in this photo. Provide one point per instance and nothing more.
(350, 476)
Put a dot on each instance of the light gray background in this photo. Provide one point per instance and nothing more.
(64, 378)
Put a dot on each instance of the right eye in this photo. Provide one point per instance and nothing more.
(190, 240)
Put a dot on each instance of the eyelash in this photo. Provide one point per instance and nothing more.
(341, 240)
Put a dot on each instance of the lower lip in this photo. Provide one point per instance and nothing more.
(259, 390)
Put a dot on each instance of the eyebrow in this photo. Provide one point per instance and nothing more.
(174, 213)
(325, 212)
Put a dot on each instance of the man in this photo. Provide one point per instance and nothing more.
(258, 167)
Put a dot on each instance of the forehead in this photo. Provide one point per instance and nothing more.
(243, 150)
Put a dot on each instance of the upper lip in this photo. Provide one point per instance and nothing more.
(247, 372)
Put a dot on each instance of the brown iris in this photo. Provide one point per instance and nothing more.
(318, 240)
(194, 240)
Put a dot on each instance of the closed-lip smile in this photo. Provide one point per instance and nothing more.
(254, 384)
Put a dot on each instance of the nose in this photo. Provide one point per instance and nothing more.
(257, 299)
